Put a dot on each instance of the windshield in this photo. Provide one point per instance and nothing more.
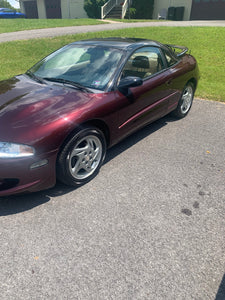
(90, 66)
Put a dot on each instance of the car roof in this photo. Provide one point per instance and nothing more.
(120, 43)
(2, 9)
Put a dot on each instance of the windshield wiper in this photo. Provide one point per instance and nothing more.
(69, 82)
(33, 76)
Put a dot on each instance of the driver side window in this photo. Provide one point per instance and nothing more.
(143, 63)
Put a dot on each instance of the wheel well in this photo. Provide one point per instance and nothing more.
(94, 123)
(194, 82)
(100, 125)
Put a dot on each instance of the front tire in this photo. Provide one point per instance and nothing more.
(185, 102)
(82, 156)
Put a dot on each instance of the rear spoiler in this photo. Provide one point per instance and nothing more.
(178, 50)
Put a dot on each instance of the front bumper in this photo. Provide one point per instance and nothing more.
(17, 175)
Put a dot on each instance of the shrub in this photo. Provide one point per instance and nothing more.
(144, 9)
(132, 13)
(93, 8)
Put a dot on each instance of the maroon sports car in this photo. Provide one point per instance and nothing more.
(58, 119)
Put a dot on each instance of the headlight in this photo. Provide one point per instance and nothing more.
(10, 150)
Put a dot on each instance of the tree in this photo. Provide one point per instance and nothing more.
(6, 4)
(93, 8)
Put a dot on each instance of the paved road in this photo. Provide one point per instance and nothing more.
(150, 226)
(51, 32)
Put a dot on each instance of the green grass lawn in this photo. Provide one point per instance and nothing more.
(10, 25)
(207, 44)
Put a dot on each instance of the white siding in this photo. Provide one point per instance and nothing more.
(73, 9)
(41, 9)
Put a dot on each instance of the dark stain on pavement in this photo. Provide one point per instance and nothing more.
(196, 204)
(186, 211)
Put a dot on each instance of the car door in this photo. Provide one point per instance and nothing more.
(149, 101)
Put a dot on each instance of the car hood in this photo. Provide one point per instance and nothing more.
(28, 108)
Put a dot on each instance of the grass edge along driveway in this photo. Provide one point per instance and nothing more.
(13, 25)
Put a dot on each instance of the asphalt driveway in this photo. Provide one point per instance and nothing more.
(150, 226)
(51, 32)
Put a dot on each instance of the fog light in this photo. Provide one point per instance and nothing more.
(39, 164)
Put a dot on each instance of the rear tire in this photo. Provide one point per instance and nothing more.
(185, 102)
(82, 156)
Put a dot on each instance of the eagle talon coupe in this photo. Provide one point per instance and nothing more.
(58, 119)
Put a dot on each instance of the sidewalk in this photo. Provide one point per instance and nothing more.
(59, 31)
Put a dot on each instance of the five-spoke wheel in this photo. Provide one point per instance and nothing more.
(185, 102)
(82, 157)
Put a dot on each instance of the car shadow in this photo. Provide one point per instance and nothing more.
(61, 189)
(221, 291)
(19, 203)
(137, 137)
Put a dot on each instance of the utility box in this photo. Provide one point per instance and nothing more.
(179, 13)
(176, 13)
(171, 13)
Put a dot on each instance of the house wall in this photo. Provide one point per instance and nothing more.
(29, 7)
(73, 9)
(41, 9)
(160, 4)
(70, 9)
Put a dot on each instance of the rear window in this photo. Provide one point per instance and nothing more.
(169, 58)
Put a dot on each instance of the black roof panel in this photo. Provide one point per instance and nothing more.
(120, 43)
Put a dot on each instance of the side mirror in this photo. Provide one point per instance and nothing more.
(129, 82)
